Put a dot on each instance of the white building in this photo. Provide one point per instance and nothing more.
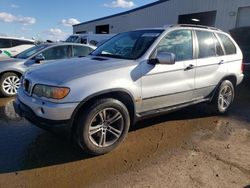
(223, 14)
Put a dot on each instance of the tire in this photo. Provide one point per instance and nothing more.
(9, 83)
(223, 97)
(96, 134)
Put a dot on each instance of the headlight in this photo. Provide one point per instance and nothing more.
(51, 91)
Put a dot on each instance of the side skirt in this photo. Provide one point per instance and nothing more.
(160, 111)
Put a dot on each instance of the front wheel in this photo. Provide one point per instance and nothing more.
(224, 97)
(103, 126)
(9, 82)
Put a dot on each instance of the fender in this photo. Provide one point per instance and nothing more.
(81, 104)
(227, 77)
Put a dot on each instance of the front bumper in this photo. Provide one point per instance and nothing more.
(47, 110)
(24, 111)
(44, 114)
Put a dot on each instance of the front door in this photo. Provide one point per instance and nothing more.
(170, 85)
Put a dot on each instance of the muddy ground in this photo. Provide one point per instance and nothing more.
(188, 148)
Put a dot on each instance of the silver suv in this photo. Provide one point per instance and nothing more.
(133, 75)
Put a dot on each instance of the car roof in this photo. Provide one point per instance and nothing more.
(48, 44)
(181, 26)
(16, 38)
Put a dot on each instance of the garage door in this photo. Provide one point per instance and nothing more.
(243, 17)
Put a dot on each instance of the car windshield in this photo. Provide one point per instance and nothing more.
(29, 52)
(129, 45)
(72, 38)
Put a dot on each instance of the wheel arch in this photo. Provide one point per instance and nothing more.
(18, 73)
(232, 78)
(120, 94)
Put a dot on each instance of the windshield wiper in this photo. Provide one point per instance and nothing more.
(109, 55)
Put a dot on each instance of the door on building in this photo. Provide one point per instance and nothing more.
(243, 17)
(102, 29)
(202, 18)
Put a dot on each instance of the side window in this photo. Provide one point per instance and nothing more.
(83, 41)
(206, 44)
(219, 50)
(228, 44)
(93, 42)
(180, 43)
(81, 51)
(17, 42)
(5, 43)
(58, 52)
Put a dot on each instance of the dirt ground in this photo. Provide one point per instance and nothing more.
(188, 148)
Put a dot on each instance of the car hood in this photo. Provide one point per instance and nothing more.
(66, 70)
(11, 61)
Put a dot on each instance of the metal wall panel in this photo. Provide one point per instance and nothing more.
(167, 13)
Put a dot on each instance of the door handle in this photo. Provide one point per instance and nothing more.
(189, 67)
(221, 62)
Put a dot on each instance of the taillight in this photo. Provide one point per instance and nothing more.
(242, 66)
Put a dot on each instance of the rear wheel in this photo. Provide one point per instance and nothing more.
(9, 82)
(103, 126)
(224, 97)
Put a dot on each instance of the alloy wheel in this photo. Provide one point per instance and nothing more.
(10, 85)
(106, 127)
(225, 97)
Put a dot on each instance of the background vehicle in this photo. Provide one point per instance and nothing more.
(12, 46)
(134, 75)
(89, 39)
(242, 36)
(12, 69)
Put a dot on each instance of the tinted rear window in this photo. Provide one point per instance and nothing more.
(20, 42)
(228, 44)
(5, 43)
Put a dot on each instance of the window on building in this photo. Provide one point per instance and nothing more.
(102, 29)
(201, 18)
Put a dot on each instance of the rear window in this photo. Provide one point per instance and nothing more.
(81, 51)
(5, 43)
(20, 42)
(228, 44)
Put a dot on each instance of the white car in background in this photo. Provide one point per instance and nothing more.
(89, 39)
(10, 46)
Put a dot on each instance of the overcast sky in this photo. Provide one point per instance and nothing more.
(53, 19)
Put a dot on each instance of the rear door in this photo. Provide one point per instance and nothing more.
(56, 52)
(211, 67)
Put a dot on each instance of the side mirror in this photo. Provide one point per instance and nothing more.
(166, 58)
(39, 58)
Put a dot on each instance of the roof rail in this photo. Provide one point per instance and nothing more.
(197, 26)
